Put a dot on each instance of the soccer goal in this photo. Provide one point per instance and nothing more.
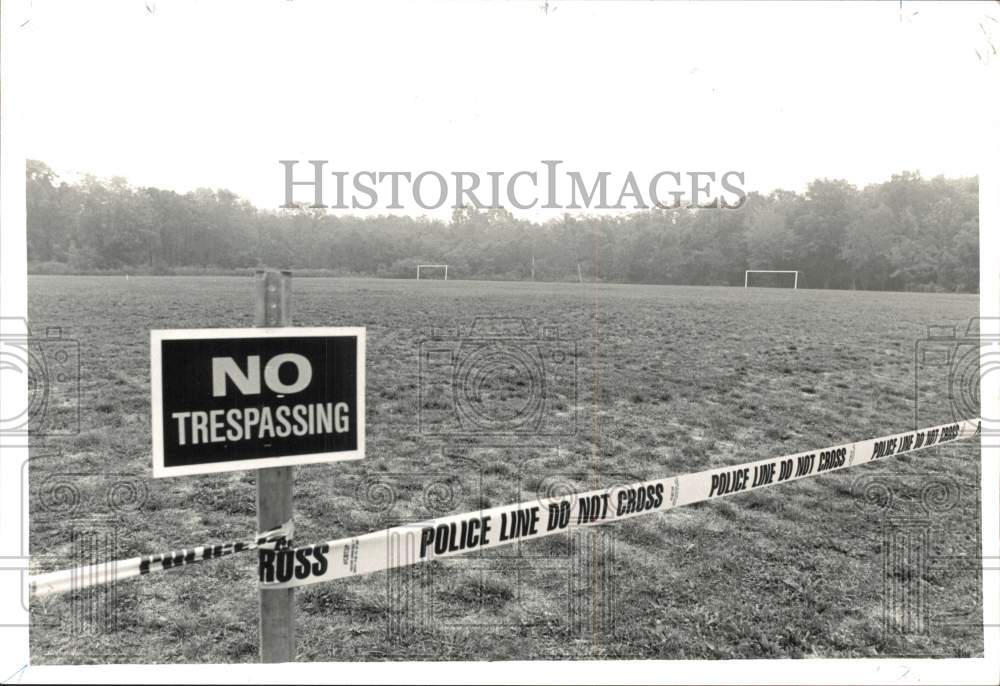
(433, 266)
(771, 278)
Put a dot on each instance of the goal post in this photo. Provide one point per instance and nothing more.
(433, 266)
(792, 278)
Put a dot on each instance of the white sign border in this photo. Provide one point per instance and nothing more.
(157, 336)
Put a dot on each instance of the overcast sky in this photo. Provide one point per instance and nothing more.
(186, 94)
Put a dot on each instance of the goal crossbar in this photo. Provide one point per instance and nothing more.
(433, 266)
(746, 276)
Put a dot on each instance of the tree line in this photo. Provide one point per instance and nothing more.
(907, 233)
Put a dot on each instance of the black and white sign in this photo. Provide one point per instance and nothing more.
(228, 399)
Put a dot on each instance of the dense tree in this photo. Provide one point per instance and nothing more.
(908, 233)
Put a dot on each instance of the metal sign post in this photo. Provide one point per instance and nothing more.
(265, 398)
(274, 489)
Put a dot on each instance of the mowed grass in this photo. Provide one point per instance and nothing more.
(668, 380)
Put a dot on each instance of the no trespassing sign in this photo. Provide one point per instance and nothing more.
(229, 399)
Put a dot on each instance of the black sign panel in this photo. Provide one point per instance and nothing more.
(226, 399)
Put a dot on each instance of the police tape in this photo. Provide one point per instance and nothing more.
(79, 578)
(489, 528)
(282, 566)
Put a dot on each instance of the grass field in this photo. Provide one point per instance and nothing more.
(669, 380)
